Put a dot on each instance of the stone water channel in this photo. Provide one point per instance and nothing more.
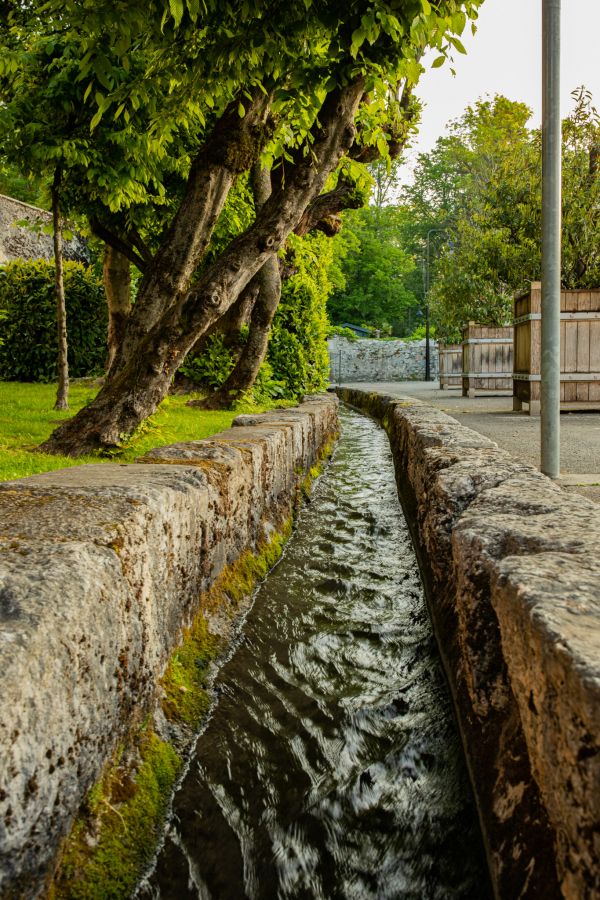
(330, 766)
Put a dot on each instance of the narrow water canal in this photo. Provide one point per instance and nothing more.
(331, 767)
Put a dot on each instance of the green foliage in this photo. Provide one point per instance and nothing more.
(419, 334)
(375, 266)
(28, 349)
(134, 95)
(14, 184)
(340, 331)
(478, 194)
(267, 388)
(212, 367)
(298, 344)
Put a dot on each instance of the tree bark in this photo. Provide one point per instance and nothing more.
(138, 386)
(231, 322)
(62, 391)
(116, 274)
(233, 146)
(268, 281)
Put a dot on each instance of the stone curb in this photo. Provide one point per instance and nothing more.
(513, 571)
(101, 567)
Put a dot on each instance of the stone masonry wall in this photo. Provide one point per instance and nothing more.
(513, 572)
(20, 242)
(373, 360)
(101, 567)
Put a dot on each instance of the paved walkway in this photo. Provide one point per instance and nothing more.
(493, 416)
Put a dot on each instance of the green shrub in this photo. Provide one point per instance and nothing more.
(212, 366)
(28, 341)
(298, 344)
(340, 331)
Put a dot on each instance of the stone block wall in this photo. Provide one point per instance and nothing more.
(512, 569)
(373, 360)
(20, 242)
(101, 568)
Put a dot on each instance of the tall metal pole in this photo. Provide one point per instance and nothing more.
(551, 239)
(427, 341)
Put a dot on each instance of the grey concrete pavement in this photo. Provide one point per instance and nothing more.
(518, 433)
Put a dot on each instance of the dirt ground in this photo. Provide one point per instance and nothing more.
(517, 432)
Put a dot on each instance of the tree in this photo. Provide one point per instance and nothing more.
(581, 192)
(62, 391)
(374, 266)
(296, 87)
(480, 189)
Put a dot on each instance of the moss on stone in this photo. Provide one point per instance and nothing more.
(323, 456)
(116, 833)
(184, 682)
(115, 836)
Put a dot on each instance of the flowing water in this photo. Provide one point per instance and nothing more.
(330, 766)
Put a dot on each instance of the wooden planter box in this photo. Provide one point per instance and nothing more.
(487, 358)
(450, 365)
(579, 350)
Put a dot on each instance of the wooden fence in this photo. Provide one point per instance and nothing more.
(579, 349)
(487, 358)
(450, 365)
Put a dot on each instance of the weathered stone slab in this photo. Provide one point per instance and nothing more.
(513, 571)
(101, 568)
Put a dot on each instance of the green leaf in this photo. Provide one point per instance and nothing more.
(426, 6)
(456, 43)
(176, 7)
(438, 62)
(241, 110)
(96, 120)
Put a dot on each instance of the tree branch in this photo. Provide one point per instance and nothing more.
(280, 215)
(323, 213)
(139, 243)
(234, 144)
(113, 240)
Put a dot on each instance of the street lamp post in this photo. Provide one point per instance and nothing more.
(551, 239)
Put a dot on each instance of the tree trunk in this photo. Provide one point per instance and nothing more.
(253, 353)
(230, 324)
(62, 391)
(116, 273)
(136, 389)
(232, 147)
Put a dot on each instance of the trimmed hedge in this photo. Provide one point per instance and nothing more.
(28, 340)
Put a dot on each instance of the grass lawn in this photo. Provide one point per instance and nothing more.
(27, 419)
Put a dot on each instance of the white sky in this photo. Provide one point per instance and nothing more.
(505, 57)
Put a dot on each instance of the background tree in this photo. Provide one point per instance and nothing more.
(375, 266)
(480, 188)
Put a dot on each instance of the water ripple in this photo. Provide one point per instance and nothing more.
(331, 767)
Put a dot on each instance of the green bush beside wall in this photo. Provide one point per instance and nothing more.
(28, 341)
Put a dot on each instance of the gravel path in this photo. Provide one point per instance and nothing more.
(518, 433)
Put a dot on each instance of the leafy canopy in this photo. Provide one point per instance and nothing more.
(123, 93)
(479, 191)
